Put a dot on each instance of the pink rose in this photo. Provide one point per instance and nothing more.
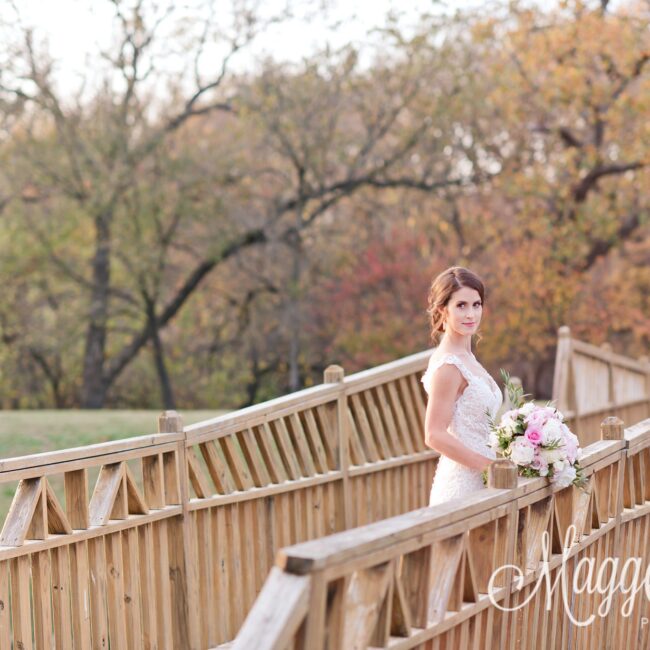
(533, 435)
(536, 419)
(539, 463)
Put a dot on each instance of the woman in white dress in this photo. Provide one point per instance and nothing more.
(461, 392)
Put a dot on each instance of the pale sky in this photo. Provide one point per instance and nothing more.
(74, 28)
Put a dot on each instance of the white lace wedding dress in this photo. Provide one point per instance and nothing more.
(469, 423)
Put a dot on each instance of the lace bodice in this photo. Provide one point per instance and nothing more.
(469, 423)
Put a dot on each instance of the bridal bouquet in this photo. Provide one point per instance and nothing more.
(537, 440)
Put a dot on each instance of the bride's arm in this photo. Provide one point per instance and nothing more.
(445, 385)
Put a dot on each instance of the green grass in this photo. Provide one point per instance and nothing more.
(33, 432)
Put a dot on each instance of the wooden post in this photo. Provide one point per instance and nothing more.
(502, 474)
(611, 428)
(181, 541)
(611, 389)
(334, 375)
(561, 371)
(646, 362)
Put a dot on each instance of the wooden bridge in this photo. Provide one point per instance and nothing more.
(193, 531)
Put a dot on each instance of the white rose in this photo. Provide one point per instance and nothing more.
(508, 428)
(521, 452)
(552, 455)
(493, 440)
(527, 408)
(552, 430)
(558, 465)
(543, 471)
(565, 477)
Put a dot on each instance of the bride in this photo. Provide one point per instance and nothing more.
(460, 390)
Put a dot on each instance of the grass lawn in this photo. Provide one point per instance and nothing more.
(32, 432)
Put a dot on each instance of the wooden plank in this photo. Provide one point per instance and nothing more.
(248, 554)
(171, 478)
(56, 462)
(76, 498)
(415, 419)
(386, 414)
(234, 541)
(153, 481)
(106, 493)
(80, 595)
(197, 478)
(38, 528)
(132, 597)
(147, 568)
(57, 520)
(5, 610)
(326, 417)
(42, 593)
(217, 468)
(254, 458)
(21, 512)
(115, 591)
(61, 597)
(21, 614)
(412, 437)
(270, 455)
(236, 463)
(388, 407)
(181, 601)
(360, 428)
(204, 556)
(371, 420)
(98, 593)
(223, 575)
(356, 452)
(264, 632)
(302, 446)
(284, 444)
(365, 597)
(163, 586)
(314, 440)
(135, 501)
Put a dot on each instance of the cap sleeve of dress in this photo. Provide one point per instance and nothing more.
(436, 362)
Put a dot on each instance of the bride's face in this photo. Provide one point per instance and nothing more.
(464, 311)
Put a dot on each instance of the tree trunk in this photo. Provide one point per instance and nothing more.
(294, 307)
(93, 392)
(166, 390)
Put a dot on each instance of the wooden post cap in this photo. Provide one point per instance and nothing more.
(611, 428)
(502, 474)
(170, 422)
(564, 332)
(606, 346)
(333, 374)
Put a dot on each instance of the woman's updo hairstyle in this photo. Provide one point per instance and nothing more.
(443, 287)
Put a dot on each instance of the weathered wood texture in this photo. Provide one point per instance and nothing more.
(592, 382)
(432, 578)
(165, 541)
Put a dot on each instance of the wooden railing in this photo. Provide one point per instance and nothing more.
(181, 529)
(591, 382)
(164, 541)
(106, 570)
(422, 579)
